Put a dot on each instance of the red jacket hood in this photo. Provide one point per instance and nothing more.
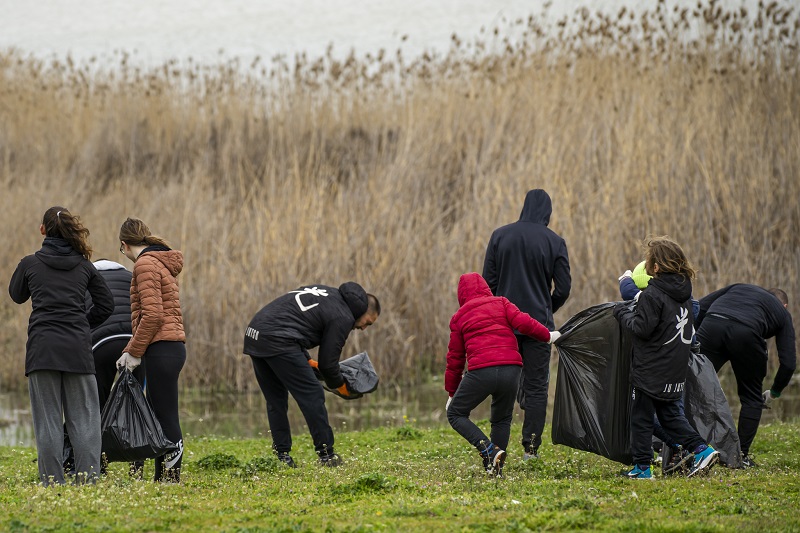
(472, 285)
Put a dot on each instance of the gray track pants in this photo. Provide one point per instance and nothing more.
(64, 397)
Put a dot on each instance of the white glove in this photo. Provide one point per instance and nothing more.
(128, 361)
(767, 397)
(554, 335)
(626, 274)
(636, 298)
(447, 405)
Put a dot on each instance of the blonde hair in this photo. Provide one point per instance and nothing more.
(135, 232)
(669, 257)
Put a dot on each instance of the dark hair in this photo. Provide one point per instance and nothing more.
(59, 222)
(780, 294)
(668, 255)
(135, 232)
(373, 305)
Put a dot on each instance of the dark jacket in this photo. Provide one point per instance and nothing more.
(482, 331)
(525, 259)
(311, 316)
(628, 290)
(56, 279)
(662, 325)
(760, 311)
(118, 325)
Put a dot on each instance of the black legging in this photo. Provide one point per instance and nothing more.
(164, 361)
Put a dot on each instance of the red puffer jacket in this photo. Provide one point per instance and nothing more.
(482, 331)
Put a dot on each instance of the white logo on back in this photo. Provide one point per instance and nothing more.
(313, 291)
(682, 319)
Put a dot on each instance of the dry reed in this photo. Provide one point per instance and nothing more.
(394, 173)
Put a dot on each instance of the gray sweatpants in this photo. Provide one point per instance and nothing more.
(65, 397)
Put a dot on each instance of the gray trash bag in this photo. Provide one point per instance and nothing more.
(707, 410)
(360, 376)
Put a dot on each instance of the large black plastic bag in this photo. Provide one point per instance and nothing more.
(707, 409)
(130, 429)
(360, 376)
(593, 391)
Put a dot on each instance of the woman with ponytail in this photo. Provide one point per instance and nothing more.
(158, 334)
(58, 358)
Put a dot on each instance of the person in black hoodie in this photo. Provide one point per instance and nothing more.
(527, 262)
(58, 360)
(277, 340)
(733, 325)
(662, 325)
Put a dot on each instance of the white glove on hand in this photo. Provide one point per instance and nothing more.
(554, 335)
(767, 397)
(447, 405)
(626, 274)
(128, 361)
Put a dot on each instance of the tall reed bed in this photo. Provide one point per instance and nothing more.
(394, 173)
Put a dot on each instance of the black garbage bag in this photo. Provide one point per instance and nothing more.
(129, 427)
(707, 409)
(359, 374)
(593, 391)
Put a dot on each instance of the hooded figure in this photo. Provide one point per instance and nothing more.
(528, 263)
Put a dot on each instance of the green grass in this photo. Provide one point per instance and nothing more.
(408, 479)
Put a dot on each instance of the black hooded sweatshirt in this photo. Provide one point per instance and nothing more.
(759, 310)
(525, 259)
(56, 279)
(662, 324)
(311, 316)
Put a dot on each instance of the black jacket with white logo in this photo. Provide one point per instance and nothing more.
(524, 261)
(662, 324)
(311, 316)
(56, 279)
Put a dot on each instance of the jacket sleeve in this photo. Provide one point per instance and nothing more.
(101, 298)
(628, 289)
(525, 323)
(561, 278)
(643, 319)
(330, 350)
(151, 312)
(490, 266)
(787, 356)
(18, 286)
(705, 304)
(456, 360)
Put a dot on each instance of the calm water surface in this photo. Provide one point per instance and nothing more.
(244, 415)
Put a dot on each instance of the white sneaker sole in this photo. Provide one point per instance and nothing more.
(705, 464)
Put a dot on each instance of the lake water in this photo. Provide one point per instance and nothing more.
(154, 31)
(244, 415)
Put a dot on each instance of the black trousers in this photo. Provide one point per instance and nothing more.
(672, 421)
(164, 361)
(723, 340)
(499, 382)
(282, 374)
(535, 384)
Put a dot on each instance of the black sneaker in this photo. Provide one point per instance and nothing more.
(747, 461)
(497, 459)
(330, 460)
(286, 459)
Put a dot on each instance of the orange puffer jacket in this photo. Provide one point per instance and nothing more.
(155, 303)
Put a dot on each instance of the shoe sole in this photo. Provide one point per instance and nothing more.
(680, 465)
(705, 464)
(499, 461)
